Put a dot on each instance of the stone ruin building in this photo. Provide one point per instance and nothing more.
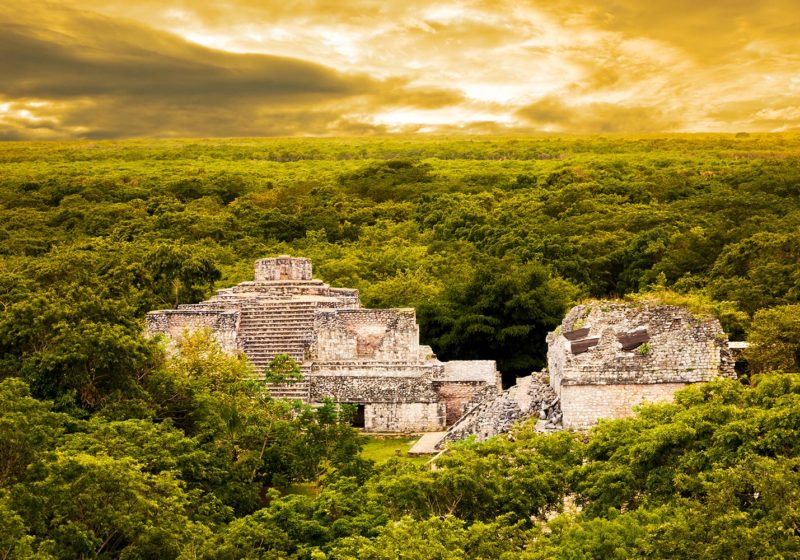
(604, 359)
(371, 358)
(607, 357)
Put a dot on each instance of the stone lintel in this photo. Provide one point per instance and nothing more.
(577, 334)
(581, 346)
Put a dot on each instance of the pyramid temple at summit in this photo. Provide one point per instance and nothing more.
(371, 358)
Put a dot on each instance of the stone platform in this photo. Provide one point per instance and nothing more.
(426, 445)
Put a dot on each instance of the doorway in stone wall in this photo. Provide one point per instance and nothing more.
(358, 418)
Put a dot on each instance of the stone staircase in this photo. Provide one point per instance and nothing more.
(290, 391)
(267, 329)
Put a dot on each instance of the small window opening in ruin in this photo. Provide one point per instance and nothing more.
(358, 418)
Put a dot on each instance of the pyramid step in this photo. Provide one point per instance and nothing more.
(277, 313)
(274, 332)
(282, 319)
(266, 348)
(272, 352)
(275, 337)
(267, 356)
(270, 321)
(288, 322)
(280, 348)
(276, 327)
(279, 345)
(274, 345)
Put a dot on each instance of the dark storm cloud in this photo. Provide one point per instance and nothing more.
(100, 56)
(94, 76)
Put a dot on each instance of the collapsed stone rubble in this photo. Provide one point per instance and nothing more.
(491, 414)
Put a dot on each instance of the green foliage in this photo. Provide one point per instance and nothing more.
(111, 446)
(93, 505)
(28, 427)
(283, 369)
(500, 307)
(759, 271)
(179, 274)
(72, 345)
(715, 426)
(14, 540)
(388, 180)
(775, 340)
(480, 482)
(435, 538)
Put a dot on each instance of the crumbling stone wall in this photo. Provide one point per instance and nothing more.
(347, 298)
(174, 322)
(404, 387)
(455, 396)
(358, 334)
(461, 381)
(626, 346)
(490, 413)
(602, 343)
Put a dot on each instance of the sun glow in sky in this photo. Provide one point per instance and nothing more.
(107, 68)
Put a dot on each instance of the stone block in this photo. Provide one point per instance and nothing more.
(581, 346)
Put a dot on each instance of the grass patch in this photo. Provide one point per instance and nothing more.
(381, 449)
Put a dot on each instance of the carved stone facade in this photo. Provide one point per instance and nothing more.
(607, 357)
(367, 357)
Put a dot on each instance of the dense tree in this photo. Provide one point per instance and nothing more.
(436, 538)
(28, 427)
(494, 314)
(775, 340)
(114, 446)
(15, 542)
(93, 505)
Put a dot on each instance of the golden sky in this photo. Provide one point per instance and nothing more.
(111, 68)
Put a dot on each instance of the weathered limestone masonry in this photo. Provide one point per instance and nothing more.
(607, 357)
(367, 357)
(489, 414)
(222, 324)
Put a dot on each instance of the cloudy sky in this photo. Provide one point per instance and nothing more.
(112, 68)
